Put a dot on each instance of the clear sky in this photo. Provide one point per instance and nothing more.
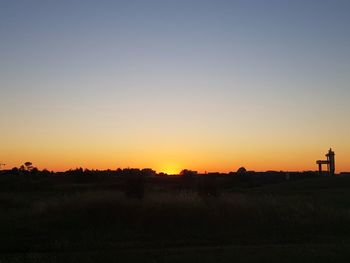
(204, 85)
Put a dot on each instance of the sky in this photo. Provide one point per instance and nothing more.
(203, 85)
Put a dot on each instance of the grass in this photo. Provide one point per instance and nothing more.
(47, 220)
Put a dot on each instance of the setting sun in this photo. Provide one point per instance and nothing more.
(170, 169)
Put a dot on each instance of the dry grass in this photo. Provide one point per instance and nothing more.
(99, 220)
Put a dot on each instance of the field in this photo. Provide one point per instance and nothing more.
(90, 219)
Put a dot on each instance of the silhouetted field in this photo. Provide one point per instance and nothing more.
(176, 219)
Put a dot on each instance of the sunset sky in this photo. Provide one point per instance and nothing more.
(204, 85)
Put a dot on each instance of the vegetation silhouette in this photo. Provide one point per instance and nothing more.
(188, 177)
(130, 210)
(133, 214)
(241, 170)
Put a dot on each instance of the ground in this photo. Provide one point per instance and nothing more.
(72, 219)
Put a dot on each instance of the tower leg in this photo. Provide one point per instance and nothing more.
(320, 169)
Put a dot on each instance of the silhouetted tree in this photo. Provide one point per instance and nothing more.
(28, 166)
(241, 170)
(14, 171)
(45, 172)
(34, 171)
(188, 173)
(148, 172)
(22, 168)
(188, 179)
(76, 172)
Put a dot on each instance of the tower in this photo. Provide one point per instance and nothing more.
(331, 162)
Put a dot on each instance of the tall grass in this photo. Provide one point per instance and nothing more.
(89, 218)
(187, 213)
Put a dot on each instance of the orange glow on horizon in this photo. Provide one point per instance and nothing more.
(202, 165)
(169, 169)
(171, 158)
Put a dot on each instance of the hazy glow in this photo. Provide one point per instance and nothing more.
(203, 85)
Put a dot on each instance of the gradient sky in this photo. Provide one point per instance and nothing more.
(204, 85)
